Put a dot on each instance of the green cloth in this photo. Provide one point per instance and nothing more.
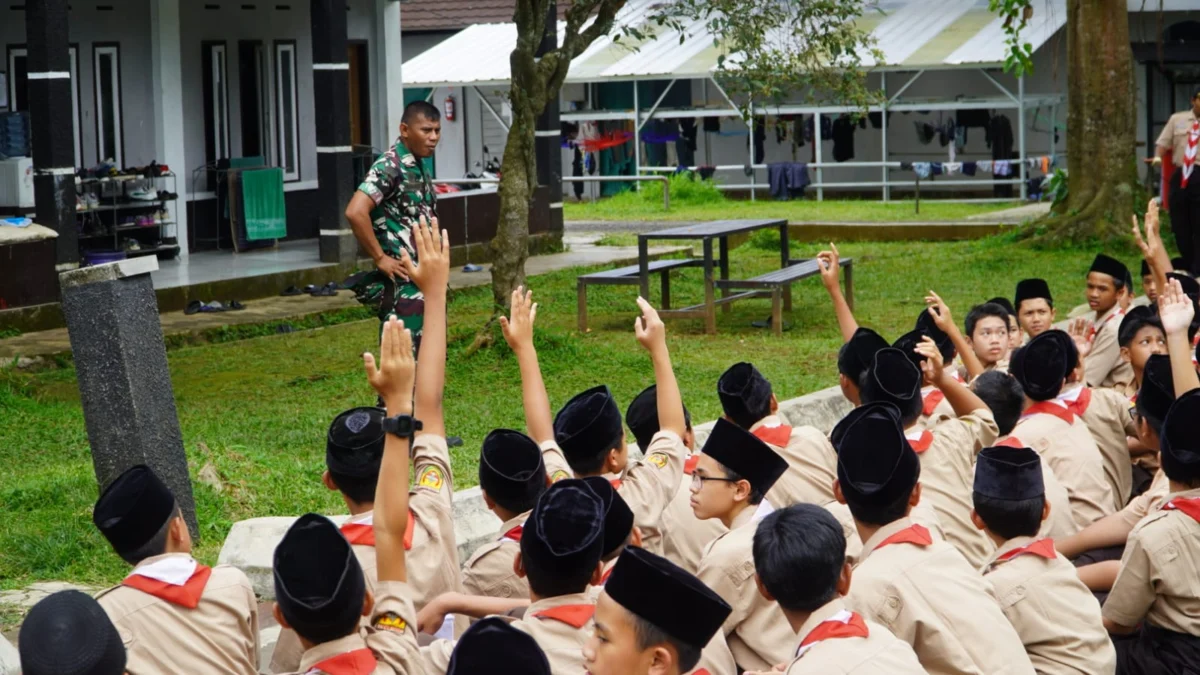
(262, 204)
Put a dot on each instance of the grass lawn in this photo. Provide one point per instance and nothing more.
(258, 409)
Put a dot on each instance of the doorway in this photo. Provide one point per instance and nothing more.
(254, 85)
(360, 92)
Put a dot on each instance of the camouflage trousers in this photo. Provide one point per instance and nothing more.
(388, 298)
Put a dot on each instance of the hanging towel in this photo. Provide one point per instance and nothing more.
(1002, 167)
(1045, 164)
(925, 132)
(984, 165)
(968, 168)
(922, 169)
(797, 178)
(936, 168)
(777, 178)
(952, 168)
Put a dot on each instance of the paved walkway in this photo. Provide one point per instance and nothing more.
(1017, 214)
(582, 252)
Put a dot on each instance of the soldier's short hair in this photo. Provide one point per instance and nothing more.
(418, 109)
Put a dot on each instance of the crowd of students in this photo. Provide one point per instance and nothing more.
(1011, 498)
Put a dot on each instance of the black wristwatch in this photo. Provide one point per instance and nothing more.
(404, 426)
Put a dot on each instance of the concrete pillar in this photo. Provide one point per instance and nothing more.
(548, 146)
(121, 366)
(51, 126)
(331, 96)
(390, 81)
(167, 76)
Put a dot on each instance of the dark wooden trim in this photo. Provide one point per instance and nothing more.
(96, 47)
(280, 155)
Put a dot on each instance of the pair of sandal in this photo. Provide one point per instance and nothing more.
(328, 290)
(198, 307)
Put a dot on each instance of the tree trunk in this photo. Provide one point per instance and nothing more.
(1101, 120)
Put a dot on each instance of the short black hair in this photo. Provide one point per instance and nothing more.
(157, 544)
(649, 635)
(358, 489)
(910, 409)
(553, 580)
(1049, 303)
(982, 311)
(590, 466)
(1155, 422)
(1131, 327)
(881, 515)
(799, 553)
(1005, 303)
(418, 109)
(756, 495)
(1010, 519)
(1004, 395)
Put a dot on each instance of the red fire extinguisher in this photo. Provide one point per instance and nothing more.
(449, 110)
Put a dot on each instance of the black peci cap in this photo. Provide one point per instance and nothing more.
(1040, 366)
(1009, 474)
(494, 647)
(588, 425)
(1029, 289)
(876, 464)
(566, 528)
(618, 519)
(893, 378)
(926, 325)
(667, 597)
(1157, 393)
(858, 353)
(642, 416)
(354, 443)
(69, 633)
(319, 584)
(1110, 266)
(511, 469)
(133, 508)
(744, 393)
(1179, 442)
(745, 454)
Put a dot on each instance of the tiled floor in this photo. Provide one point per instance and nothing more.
(209, 266)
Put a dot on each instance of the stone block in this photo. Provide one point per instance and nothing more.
(820, 409)
(10, 662)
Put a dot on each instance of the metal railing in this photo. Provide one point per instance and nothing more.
(666, 182)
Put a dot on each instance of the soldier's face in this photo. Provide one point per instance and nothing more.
(422, 136)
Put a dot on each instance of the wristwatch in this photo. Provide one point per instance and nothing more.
(404, 426)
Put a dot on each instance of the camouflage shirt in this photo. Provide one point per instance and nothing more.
(403, 192)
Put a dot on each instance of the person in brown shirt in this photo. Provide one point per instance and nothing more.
(1140, 336)
(492, 646)
(68, 633)
(800, 563)
(920, 588)
(1106, 279)
(1055, 615)
(854, 359)
(174, 614)
(1034, 305)
(1180, 137)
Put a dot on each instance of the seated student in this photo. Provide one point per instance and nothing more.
(1055, 615)
(1139, 335)
(1156, 587)
(619, 530)
(800, 562)
(68, 633)
(511, 478)
(1105, 281)
(732, 477)
(175, 614)
(1056, 433)
(653, 617)
(854, 359)
(1035, 306)
(747, 401)
(681, 536)
(1003, 394)
(1015, 339)
(920, 588)
(934, 406)
(1149, 285)
(320, 591)
(493, 647)
(947, 452)
(987, 332)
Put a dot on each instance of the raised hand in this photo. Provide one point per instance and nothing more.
(933, 367)
(1080, 330)
(518, 330)
(828, 262)
(649, 327)
(1175, 309)
(431, 272)
(393, 377)
(940, 312)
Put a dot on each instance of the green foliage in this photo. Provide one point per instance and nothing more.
(1058, 187)
(9, 332)
(631, 206)
(686, 190)
(1016, 14)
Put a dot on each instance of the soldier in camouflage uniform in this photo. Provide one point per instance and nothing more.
(396, 193)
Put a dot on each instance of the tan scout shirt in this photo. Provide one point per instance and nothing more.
(929, 597)
(1147, 502)
(1158, 579)
(922, 514)
(433, 557)
(394, 647)
(757, 632)
(684, 536)
(489, 572)
(1107, 417)
(941, 412)
(879, 653)
(947, 455)
(812, 465)
(1061, 523)
(1056, 616)
(1174, 136)
(1104, 366)
(1072, 454)
(219, 636)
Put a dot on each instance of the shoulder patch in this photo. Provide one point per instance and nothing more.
(391, 621)
(558, 475)
(431, 478)
(657, 459)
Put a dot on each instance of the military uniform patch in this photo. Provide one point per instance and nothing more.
(558, 475)
(431, 478)
(657, 459)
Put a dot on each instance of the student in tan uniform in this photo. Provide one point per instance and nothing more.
(492, 646)
(937, 323)
(1015, 338)
(735, 472)
(1040, 593)
(1051, 429)
(1149, 284)
(653, 618)
(1034, 305)
(1104, 367)
(619, 530)
(511, 478)
(174, 614)
(920, 588)
(320, 591)
(68, 633)
(854, 359)
(987, 332)
(947, 452)
(747, 401)
(800, 562)
(1140, 335)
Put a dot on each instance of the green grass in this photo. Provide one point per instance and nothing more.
(257, 409)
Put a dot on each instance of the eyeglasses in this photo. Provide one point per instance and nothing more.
(698, 481)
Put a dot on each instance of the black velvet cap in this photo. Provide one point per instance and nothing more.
(1040, 366)
(1110, 266)
(876, 465)
(511, 469)
(894, 378)
(588, 424)
(745, 454)
(494, 647)
(354, 444)
(1009, 474)
(744, 394)
(1158, 387)
(907, 343)
(1189, 285)
(133, 508)
(1179, 264)
(1133, 321)
(859, 352)
(667, 597)
(1005, 303)
(1179, 443)
(926, 325)
(618, 519)
(1145, 268)
(319, 584)
(566, 528)
(1068, 346)
(69, 633)
(1029, 289)
(642, 416)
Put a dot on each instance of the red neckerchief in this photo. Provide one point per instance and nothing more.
(921, 443)
(777, 435)
(358, 662)
(616, 483)
(1010, 442)
(1187, 505)
(1041, 547)
(1096, 328)
(607, 573)
(914, 534)
(842, 625)
(363, 534)
(575, 616)
(689, 466)
(1050, 408)
(513, 534)
(932, 401)
(1082, 400)
(1189, 154)
(187, 595)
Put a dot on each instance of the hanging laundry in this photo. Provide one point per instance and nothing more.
(1045, 162)
(760, 139)
(706, 172)
(922, 169)
(972, 118)
(787, 179)
(925, 132)
(798, 131)
(826, 128)
(843, 139)
(876, 119)
(952, 168)
(946, 132)
(611, 139)
(936, 168)
(968, 168)
(960, 137)
(781, 130)
(906, 166)
(685, 145)
(798, 178)
(712, 125)
(984, 165)
(1002, 168)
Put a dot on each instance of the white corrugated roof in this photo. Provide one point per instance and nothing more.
(911, 34)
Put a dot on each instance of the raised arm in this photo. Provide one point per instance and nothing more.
(1152, 245)
(518, 333)
(393, 379)
(652, 335)
(828, 262)
(1176, 311)
(940, 312)
(959, 396)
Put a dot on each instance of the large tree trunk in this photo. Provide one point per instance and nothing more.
(1101, 119)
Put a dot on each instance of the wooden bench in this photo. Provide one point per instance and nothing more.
(629, 276)
(777, 285)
